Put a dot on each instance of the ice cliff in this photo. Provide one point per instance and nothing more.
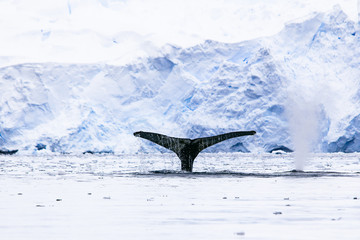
(310, 70)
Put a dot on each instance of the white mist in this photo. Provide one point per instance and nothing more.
(303, 122)
(303, 111)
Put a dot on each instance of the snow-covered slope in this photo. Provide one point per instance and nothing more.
(310, 70)
(118, 31)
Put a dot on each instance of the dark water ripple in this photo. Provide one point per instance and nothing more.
(291, 174)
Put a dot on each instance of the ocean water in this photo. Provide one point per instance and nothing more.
(143, 196)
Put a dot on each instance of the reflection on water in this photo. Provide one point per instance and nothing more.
(167, 165)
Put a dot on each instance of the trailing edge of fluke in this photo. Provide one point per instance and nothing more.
(187, 149)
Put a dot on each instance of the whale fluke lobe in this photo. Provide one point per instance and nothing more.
(187, 149)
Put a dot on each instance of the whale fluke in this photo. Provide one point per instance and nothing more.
(187, 149)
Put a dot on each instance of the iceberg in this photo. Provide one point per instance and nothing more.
(204, 90)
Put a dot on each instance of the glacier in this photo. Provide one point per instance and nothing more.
(310, 70)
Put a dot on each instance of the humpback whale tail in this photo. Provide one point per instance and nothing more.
(187, 149)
